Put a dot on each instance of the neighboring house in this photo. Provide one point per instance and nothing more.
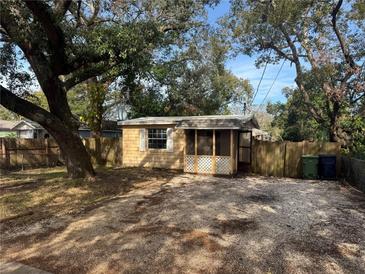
(261, 135)
(21, 129)
(31, 130)
(218, 144)
(6, 129)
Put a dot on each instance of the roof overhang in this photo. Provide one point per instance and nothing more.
(137, 123)
(197, 122)
(208, 128)
(32, 126)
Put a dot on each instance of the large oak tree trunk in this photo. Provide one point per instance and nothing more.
(62, 129)
(334, 114)
(333, 136)
(77, 159)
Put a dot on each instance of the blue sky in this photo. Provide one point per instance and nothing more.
(244, 66)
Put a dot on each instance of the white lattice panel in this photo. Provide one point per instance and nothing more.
(189, 163)
(223, 164)
(205, 164)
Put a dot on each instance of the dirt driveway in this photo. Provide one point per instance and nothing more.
(180, 223)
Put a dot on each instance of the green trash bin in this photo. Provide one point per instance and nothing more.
(310, 166)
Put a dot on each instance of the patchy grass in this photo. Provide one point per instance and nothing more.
(31, 195)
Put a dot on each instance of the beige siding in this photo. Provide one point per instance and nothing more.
(157, 158)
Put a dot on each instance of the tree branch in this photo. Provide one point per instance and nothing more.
(279, 51)
(27, 109)
(317, 114)
(344, 48)
(95, 11)
(61, 8)
(84, 74)
(22, 37)
(44, 16)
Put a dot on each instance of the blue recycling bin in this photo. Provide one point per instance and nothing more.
(327, 167)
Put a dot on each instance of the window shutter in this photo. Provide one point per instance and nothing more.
(142, 142)
(170, 141)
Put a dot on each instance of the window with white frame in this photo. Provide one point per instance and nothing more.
(157, 138)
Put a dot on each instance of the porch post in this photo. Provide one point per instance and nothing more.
(232, 152)
(196, 152)
(214, 164)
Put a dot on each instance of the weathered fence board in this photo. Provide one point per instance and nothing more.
(353, 170)
(283, 159)
(15, 152)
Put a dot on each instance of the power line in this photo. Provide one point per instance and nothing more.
(276, 77)
(262, 76)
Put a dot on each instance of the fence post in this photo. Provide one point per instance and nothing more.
(253, 156)
(46, 148)
(5, 153)
(284, 161)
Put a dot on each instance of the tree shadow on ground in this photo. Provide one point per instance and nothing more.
(178, 223)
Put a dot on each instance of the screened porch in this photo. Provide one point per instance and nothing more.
(210, 151)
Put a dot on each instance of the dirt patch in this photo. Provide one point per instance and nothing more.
(236, 226)
(261, 198)
(199, 240)
(144, 220)
(151, 200)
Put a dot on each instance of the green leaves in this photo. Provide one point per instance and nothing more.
(323, 40)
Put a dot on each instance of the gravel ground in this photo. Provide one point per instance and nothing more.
(200, 224)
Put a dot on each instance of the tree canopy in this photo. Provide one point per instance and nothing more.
(194, 82)
(322, 39)
(68, 42)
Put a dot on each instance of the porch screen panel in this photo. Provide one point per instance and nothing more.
(244, 147)
(245, 139)
(205, 142)
(190, 142)
(222, 142)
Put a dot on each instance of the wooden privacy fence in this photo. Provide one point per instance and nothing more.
(283, 159)
(104, 151)
(16, 153)
(353, 170)
(28, 152)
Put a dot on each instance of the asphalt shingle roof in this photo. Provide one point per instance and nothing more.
(203, 122)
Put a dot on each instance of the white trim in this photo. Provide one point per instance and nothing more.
(142, 139)
(170, 139)
(27, 123)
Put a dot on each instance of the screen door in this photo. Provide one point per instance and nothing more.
(244, 149)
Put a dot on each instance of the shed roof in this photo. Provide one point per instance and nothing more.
(195, 122)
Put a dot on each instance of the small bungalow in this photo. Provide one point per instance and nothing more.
(216, 144)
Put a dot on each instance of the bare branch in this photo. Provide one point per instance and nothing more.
(85, 74)
(279, 51)
(95, 8)
(61, 8)
(316, 113)
(27, 109)
(53, 31)
(344, 48)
